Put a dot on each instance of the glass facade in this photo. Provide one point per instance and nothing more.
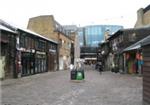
(81, 37)
(91, 36)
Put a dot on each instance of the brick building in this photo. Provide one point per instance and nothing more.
(47, 26)
(143, 17)
(72, 32)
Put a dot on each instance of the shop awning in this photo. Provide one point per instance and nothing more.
(132, 47)
(90, 58)
(137, 45)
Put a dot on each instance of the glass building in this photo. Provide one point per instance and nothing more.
(91, 35)
(81, 36)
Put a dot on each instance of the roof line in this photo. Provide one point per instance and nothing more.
(36, 34)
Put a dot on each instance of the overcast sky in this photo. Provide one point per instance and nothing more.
(78, 12)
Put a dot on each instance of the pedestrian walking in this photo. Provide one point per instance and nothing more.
(71, 67)
(100, 67)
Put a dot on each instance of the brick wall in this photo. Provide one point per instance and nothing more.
(43, 25)
(48, 27)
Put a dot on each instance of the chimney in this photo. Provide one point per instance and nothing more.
(139, 22)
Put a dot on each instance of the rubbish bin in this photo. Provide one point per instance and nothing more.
(73, 74)
(80, 74)
(82, 71)
(116, 70)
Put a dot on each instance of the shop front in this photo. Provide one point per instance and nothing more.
(134, 62)
(52, 56)
(40, 62)
(27, 61)
(52, 61)
(7, 56)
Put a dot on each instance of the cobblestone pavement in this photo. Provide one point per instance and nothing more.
(55, 88)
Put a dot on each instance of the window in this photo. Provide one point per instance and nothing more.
(41, 45)
(81, 43)
(132, 37)
(27, 42)
(32, 43)
(53, 47)
(22, 40)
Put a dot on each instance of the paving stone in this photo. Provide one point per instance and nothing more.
(55, 88)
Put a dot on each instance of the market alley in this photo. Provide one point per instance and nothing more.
(55, 88)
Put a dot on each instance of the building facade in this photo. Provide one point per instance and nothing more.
(8, 52)
(26, 52)
(36, 54)
(47, 26)
(72, 32)
(126, 57)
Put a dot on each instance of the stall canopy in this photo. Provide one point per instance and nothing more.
(137, 45)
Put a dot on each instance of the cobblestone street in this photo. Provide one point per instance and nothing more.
(55, 88)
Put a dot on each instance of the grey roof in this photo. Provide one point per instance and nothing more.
(9, 26)
(87, 53)
(146, 41)
(146, 27)
(138, 44)
(72, 28)
(15, 27)
(38, 35)
(6, 29)
(132, 47)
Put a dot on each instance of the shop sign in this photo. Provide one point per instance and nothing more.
(51, 50)
(38, 52)
(32, 50)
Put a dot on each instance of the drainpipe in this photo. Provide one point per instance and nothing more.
(18, 58)
(125, 65)
(140, 64)
(14, 63)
